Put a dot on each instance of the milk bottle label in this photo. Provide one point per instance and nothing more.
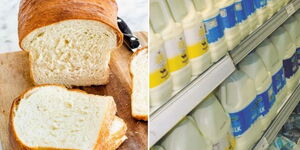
(176, 53)
(248, 6)
(213, 29)
(159, 72)
(226, 143)
(228, 16)
(298, 55)
(278, 81)
(265, 100)
(260, 3)
(242, 120)
(290, 66)
(196, 41)
(239, 12)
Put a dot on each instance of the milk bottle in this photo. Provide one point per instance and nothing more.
(174, 43)
(254, 68)
(214, 30)
(297, 16)
(214, 123)
(160, 81)
(241, 19)
(185, 136)
(262, 10)
(228, 19)
(250, 13)
(238, 97)
(287, 52)
(269, 55)
(273, 7)
(184, 12)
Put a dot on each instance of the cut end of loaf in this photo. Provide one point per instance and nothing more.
(71, 52)
(55, 117)
(140, 81)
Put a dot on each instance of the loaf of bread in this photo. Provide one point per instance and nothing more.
(69, 41)
(140, 85)
(57, 118)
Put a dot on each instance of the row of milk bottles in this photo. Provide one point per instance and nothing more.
(187, 36)
(247, 101)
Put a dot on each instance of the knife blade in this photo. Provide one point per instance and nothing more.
(130, 40)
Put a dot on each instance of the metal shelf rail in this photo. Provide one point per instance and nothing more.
(271, 133)
(261, 33)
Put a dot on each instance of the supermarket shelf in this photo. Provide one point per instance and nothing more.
(271, 133)
(168, 115)
(261, 33)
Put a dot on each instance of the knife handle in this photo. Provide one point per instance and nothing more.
(131, 41)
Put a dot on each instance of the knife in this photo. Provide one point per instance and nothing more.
(131, 41)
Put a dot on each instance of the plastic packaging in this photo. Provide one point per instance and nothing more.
(254, 68)
(262, 10)
(228, 19)
(174, 43)
(241, 19)
(185, 136)
(297, 16)
(160, 81)
(238, 97)
(272, 6)
(287, 52)
(214, 30)
(214, 123)
(183, 12)
(269, 55)
(250, 13)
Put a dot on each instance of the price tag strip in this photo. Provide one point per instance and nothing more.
(290, 9)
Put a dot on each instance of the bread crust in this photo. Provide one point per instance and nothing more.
(136, 116)
(103, 134)
(34, 14)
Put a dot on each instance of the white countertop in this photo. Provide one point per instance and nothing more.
(134, 12)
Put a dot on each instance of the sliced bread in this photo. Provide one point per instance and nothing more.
(57, 118)
(116, 134)
(69, 41)
(140, 85)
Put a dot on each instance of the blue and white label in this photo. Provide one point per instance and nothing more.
(242, 120)
(248, 6)
(265, 100)
(239, 12)
(298, 56)
(290, 66)
(260, 3)
(213, 29)
(278, 81)
(228, 16)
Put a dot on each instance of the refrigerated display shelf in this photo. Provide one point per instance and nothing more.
(286, 110)
(261, 33)
(167, 116)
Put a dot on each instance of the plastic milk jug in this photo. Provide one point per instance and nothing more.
(183, 12)
(287, 52)
(214, 123)
(272, 5)
(160, 81)
(185, 136)
(269, 55)
(174, 43)
(297, 16)
(262, 10)
(238, 97)
(241, 19)
(214, 30)
(254, 68)
(228, 19)
(250, 13)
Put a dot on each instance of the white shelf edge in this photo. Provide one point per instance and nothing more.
(168, 115)
(261, 33)
(288, 107)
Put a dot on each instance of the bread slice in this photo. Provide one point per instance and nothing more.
(69, 41)
(54, 117)
(116, 134)
(140, 85)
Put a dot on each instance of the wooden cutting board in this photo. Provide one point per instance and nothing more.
(14, 79)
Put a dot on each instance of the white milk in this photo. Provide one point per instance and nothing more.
(262, 10)
(228, 19)
(214, 123)
(269, 55)
(160, 81)
(238, 97)
(250, 13)
(273, 7)
(184, 12)
(185, 136)
(241, 19)
(297, 16)
(174, 43)
(287, 52)
(214, 30)
(254, 68)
